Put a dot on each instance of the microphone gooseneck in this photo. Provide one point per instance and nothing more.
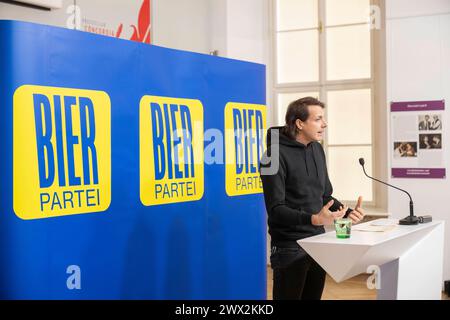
(409, 220)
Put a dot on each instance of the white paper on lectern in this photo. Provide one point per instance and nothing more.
(379, 225)
(384, 222)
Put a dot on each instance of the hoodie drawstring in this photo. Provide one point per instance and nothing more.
(310, 149)
(306, 162)
(315, 163)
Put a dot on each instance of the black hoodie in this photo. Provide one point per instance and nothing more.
(298, 189)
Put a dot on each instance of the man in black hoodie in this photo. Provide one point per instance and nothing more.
(298, 197)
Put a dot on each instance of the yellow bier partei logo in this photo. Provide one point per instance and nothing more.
(244, 146)
(62, 151)
(171, 150)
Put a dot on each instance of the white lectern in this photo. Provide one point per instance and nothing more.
(410, 258)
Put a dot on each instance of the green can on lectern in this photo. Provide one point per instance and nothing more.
(343, 227)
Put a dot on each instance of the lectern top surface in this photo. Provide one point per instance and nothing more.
(369, 238)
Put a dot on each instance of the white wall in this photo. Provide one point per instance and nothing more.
(218, 26)
(418, 68)
(410, 8)
(181, 24)
(236, 29)
(248, 32)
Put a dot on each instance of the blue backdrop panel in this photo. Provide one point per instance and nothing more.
(214, 248)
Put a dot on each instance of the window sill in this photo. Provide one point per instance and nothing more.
(376, 212)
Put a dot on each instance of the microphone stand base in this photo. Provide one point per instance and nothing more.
(409, 220)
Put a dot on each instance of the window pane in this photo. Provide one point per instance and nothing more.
(346, 174)
(348, 52)
(296, 14)
(349, 117)
(285, 98)
(347, 11)
(298, 56)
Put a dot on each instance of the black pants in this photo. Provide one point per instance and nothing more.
(296, 275)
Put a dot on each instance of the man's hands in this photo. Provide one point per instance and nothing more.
(358, 213)
(325, 216)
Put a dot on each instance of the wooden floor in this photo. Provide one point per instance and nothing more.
(351, 289)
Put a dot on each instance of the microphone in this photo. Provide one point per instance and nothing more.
(409, 220)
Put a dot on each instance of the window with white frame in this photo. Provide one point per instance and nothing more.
(323, 48)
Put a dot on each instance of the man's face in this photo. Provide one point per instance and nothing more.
(427, 118)
(313, 128)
